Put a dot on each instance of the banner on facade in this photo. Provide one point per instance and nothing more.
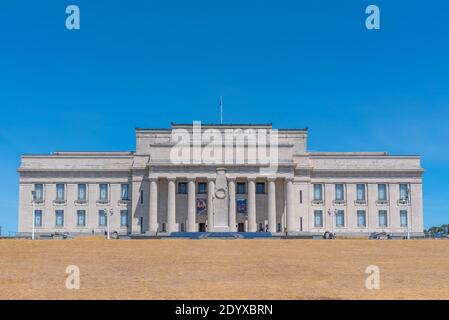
(201, 206)
(241, 205)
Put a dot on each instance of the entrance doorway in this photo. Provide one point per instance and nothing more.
(202, 227)
(241, 227)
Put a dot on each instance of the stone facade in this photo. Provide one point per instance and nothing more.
(311, 192)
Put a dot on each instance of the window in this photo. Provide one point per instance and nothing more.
(403, 192)
(241, 187)
(81, 218)
(339, 192)
(361, 192)
(318, 192)
(382, 192)
(318, 218)
(404, 218)
(164, 228)
(300, 196)
(123, 218)
(260, 187)
(383, 223)
(38, 192)
(38, 218)
(125, 192)
(361, 218)
(82, 194)
(59, 218)
(102, 218)
(60, 193)
(141, 196)
(182, 188)
(340, 219)
(104, 192)
(202, 188)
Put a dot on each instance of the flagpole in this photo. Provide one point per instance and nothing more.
(221, 109)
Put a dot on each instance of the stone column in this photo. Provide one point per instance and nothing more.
(210, 204)
(153, 205)
(289, 204)
(232, 211)
(252, 225)
(171, 205)
(271, 205)
(191, 206)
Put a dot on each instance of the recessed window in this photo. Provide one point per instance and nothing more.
(340, 219)
(60, 192)
(141, 196)
(300, 196)
(383, 222)
(260, 187)
(403, 192)
(361, 196)
(125, 192)
(38, 218)
(102, 218)
(318, 218)
(59, 217)
(241, 187)
(361, 218)
(202, 187)
(104, 192)
(82, 192)
(382, 192)
(124, 218)
(38, 192)
(182, 187)
(404, 218)
(339, 192)
(81, 218)
(318, 192)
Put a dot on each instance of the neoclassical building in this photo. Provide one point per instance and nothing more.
(149, 192)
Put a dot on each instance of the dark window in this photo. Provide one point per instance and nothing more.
(300, 196)
(260, 187)
(182, 188)
(141, 196)
(202, 188)
(241, 187)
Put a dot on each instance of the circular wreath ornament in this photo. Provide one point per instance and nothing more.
(220, 193)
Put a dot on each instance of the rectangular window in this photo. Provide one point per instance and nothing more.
(300, 196)
(60, 192)
(82, 192)
(318, 192)
(125, 192)
(382, 192)
(141, 196)
(38, 218)
(361, 192)
(81, 218)
(339, 192)
(361, 218)
(241, 187)
(383, 222)
(318, 218)
(59, 218)
(182, 188)
(38, 192)
(104, 192)
(403, 192)
(260, 187)
(202, 188)
(340, 219)
(123, 218)
(404, 218)
(102, 218)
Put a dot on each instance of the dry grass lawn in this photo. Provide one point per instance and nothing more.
(224, 269)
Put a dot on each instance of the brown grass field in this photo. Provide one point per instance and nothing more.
(224, 269)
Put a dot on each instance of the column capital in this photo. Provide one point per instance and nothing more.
(153, 178)
(171, 179)
(191, 179)
(271, 178)
(210, 179)
(252, 179)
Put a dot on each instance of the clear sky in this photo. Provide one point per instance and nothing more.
(293, 63)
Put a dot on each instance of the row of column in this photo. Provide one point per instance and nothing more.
(191, 205)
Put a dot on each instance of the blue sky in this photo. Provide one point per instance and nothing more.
(293, 63)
